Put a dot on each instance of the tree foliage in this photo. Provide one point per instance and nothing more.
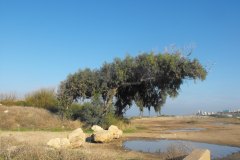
(148, 79)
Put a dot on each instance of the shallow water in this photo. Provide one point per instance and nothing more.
(186, 130)
(153, 146)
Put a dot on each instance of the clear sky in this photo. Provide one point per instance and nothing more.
(42, 41)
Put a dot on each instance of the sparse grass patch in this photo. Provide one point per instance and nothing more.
(88, 131)
(129, 130)
(141, 128)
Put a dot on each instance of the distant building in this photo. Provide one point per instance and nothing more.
(204, 113)
(226, 111)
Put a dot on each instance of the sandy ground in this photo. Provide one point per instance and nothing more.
(217, 130)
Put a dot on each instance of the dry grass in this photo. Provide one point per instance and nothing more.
(10, 149)
(8, 99)
(30, 118)
(177, 152)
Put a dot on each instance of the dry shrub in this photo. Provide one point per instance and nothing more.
(177, 152)
(8, 99)
(30, 118)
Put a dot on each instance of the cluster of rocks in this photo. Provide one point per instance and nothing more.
(101, 136)
(74, 140)
(77, 138)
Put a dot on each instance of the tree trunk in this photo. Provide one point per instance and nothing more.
(109, 100)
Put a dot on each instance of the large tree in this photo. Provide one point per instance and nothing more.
(148, 79)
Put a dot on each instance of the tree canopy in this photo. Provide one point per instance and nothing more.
(148, 79)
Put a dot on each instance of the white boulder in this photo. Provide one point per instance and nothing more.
(116, 133)
(77, 138)
(102, 136)
(58, 143)
(97, 128)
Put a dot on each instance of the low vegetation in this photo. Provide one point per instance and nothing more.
(91, 113)
(43, 98)
(9, 99)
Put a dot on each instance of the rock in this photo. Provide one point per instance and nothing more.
(55, 143)
(58, 143)
(102, 136)
(64, 142)
(97, 128)
(77, 138)
(116, 133)
(199, 154)
(6, 111)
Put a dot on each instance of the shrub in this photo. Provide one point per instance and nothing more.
(111, 119)
(75, 111)
(21, 103)
(8, 99)
(90, 114)
(43, 98)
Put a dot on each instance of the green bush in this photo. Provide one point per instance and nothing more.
(43, 98)
(21, 103)
(90, 114)
(109, 119)
(75, 111)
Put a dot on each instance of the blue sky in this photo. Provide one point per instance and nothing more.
(41, 42)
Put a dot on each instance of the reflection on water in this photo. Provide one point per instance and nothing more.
(217, 151)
